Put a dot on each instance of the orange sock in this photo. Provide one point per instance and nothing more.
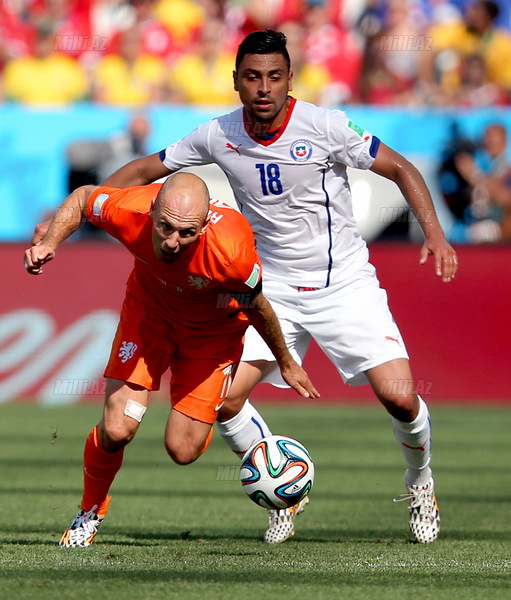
(99, 471)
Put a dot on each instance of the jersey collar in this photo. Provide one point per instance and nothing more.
(281, 130)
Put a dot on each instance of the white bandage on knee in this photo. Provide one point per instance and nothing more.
(135, 410)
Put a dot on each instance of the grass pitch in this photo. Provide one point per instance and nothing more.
(191, 533)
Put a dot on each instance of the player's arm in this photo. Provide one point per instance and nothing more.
(140, 171)
(264, 319)
(68, 219)
(397, 168)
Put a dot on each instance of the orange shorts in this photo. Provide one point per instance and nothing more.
(202, 362)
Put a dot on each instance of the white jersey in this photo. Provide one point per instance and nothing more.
(292, 188)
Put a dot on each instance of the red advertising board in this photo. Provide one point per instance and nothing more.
(56, 328)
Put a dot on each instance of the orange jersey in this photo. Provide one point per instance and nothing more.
(194, 290)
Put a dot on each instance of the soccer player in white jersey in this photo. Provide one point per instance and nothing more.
(286, 162)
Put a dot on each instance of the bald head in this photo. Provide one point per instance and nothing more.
(180, 215)
(184, 194)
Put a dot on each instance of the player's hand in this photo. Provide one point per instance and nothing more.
(36, 256)
(297, 378)
(446, 260)
(39, 232)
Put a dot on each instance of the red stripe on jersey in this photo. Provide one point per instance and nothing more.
(248, 125)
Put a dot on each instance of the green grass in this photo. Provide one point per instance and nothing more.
(183, 532)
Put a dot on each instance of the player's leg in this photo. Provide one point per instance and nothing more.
(186, 438)
(125, 405)
(127, 392)
(239, 423)
(393, 385)
(353, 325)
(244, 427)
(199, 388)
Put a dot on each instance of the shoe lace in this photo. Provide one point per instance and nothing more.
(418, 496)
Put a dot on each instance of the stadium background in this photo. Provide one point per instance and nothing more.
(55, 330)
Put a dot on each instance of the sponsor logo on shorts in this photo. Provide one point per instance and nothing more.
(301, 150)
(127, 351)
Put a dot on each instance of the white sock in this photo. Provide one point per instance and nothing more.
(415, 441)
(243, 430)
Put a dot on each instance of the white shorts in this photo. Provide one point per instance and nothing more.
(351, 322)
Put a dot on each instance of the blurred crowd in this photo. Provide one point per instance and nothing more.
(382, 52)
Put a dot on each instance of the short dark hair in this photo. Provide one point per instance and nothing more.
(263, 42)
(492, 8)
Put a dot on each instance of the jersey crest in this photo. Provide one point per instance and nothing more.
(301, 150)
(198, 282)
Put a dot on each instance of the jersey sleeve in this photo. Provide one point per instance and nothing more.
(103, 204)
(191, 150)
(244, 270)
(116, 210)
(350, 144)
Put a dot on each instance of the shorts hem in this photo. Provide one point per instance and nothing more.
(195, 416)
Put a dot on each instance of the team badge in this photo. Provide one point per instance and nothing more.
(197, 282)
(127, 350)
(301, 150)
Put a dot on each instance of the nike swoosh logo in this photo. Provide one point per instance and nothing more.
(218, 406)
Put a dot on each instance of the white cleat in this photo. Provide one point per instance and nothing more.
(282, 522)
(82, 531)
(424, 515)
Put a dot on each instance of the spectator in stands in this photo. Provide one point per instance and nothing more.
(325, 44)
(390, 61)
(182, 18)
(475, 87)
(311, 82)
(451, 42)
(488, 217)
(16, 36)
(70, 22)
(130, 77)
(92, 160)
(47, 78)
(207, 61)
(156, 39)
(377, 83)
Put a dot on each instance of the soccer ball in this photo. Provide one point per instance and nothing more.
(277, 472)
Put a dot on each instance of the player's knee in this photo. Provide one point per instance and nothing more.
(115, 436)
(182, 454)
(403, 407)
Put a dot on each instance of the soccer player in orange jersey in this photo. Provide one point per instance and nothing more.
(194, 289)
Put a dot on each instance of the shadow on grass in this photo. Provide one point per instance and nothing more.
(21, 536)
